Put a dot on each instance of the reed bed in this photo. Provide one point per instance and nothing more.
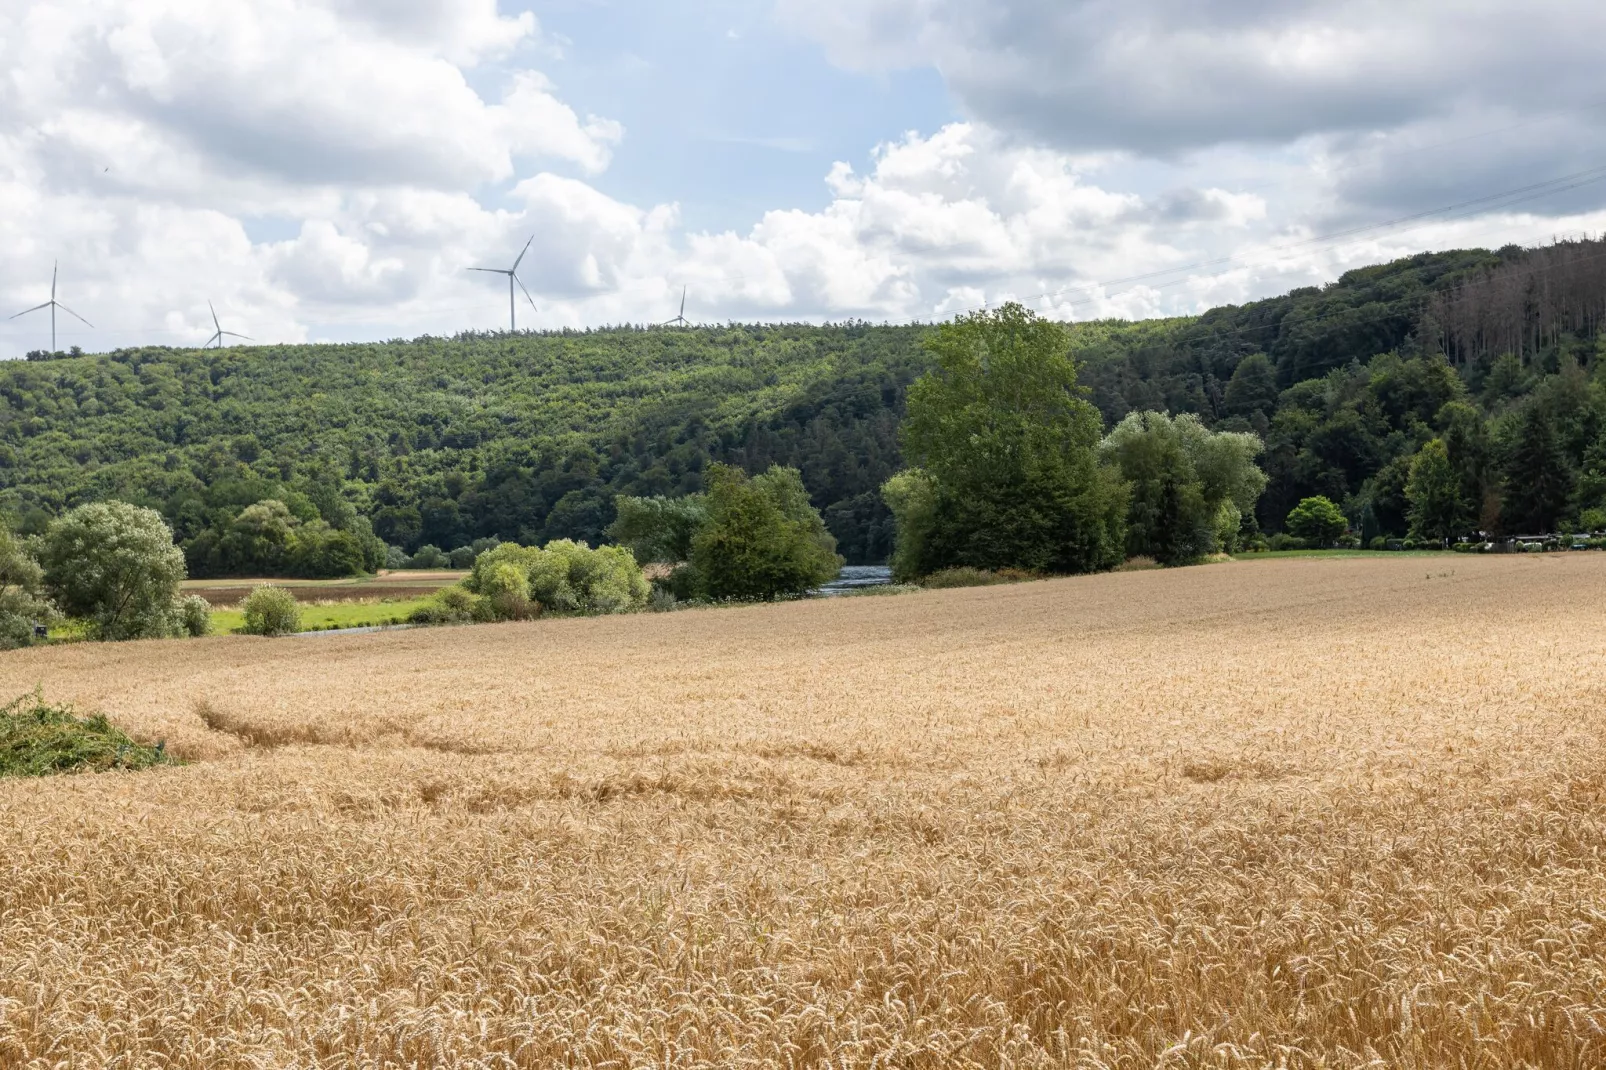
(1292, 813)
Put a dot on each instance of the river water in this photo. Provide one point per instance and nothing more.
(852, 577)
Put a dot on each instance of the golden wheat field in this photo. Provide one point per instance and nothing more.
(1284, 813)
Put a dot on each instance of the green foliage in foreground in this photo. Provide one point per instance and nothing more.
(270, 610)
(37, 740)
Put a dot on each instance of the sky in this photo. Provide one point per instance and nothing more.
(330, 170)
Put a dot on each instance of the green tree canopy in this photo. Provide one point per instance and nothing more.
(114, 565)
(22, 596)
(1438, 511)
(1009, 445)
(1539, 479)
(1190, 487)
(1317, 520)
(762, 538)
(658, 528)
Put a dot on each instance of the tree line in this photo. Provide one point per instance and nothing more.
(323, 460)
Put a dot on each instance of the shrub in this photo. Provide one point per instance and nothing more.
(38, 740)
(565, 577)
(429, 557)
(1408, 544)
(1284, 541)
(962, 575)
(1379, 542)
(462, 557)
(271, 610)
(115, 566)
(1348, 541)
(194, 615)
(1140, 563)
(23, 605)
(453, 605)
(1592, 520)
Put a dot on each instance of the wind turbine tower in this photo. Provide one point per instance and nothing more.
(512, 274)
(53, 304)
(681, 318)
(217, 339)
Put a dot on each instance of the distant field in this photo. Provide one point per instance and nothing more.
(340, 615)
(400, 583)
(1312, 814)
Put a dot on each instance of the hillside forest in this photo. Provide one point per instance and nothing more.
(326, 459)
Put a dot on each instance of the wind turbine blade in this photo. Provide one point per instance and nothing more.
(75, 315)
(218, 338)
(683, 302)
(215, 323)
(527, 296)
(236, 334)
(493, 271)
(523, 251)
(54, 266)
(35, 308)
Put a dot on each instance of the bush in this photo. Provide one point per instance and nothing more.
(1592, 520)
(462, 557)
(1284, 541)
(1408, 544)
(1379, 542)
(453, 605)
(428, 557)
(194, 616)
(1348, 541)
(564, 577)
(114, 566)
(38, 740)
(962, 575)
(271, 610)
(1140, 563)
(23, 605)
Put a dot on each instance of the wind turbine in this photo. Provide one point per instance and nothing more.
(512, 274)
(218, 337)
(53, 304)
(681, 318)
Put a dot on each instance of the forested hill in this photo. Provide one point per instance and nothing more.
(440, 441)
(529, 437)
